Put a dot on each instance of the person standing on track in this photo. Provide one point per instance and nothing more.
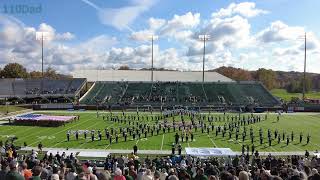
(40, 147)
(135, 149)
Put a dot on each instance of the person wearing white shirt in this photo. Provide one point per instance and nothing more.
(147, 175)
(163, 174)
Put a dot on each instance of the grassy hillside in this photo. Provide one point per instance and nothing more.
(283, 94)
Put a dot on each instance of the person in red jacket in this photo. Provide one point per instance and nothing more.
(118, 175)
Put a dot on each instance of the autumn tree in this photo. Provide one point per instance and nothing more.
(235, 73)
(35, 74)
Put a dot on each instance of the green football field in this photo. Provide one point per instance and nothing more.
(56, 136)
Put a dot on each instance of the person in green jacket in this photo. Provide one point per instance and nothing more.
(126, 174)
(13, 173)
(200, 175)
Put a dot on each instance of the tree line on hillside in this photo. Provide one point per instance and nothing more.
(291, 81)
(15, 70)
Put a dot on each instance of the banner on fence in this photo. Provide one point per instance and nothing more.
(210, 152)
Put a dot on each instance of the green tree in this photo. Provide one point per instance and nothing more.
(296, 86)
(267, 77)
(14, 70)
(308, 83)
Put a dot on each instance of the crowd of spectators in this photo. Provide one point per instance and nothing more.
(118, 167)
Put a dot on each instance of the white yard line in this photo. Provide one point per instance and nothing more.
(315, 144)
(212, 141)
(109, 144)
(162, 141)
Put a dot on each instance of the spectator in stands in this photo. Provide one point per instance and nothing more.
(36, 172)
(25, 172)
(156, 175)
(90, 174)
(4, 169)
(118, 175)
(132, 172)
(126, 174)
(13, 174)
(163, 174)
(71, 175)
(243, 175)
(147, 175)
(200, 175)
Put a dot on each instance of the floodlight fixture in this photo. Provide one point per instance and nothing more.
(204, 38)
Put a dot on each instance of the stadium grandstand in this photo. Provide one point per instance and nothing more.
(172, 88)
(34, 90)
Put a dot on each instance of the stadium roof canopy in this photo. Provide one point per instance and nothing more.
(142, 75)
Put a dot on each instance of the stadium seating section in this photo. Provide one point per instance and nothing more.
(179, 93)
(22, 88)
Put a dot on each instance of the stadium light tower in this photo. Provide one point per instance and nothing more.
(41, 36)
(305, 66)
(204, 38)
(153, 38)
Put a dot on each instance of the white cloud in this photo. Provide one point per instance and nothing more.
(121, 18)
(246, 9)
(99, 43)
(177, 23)
(143, 35)
(156, 23)
(279, 31)
(179, 27)
(225, 33)
(65, 36)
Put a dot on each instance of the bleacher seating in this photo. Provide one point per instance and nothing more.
(22, 88)
(6, 88)
(180, 93)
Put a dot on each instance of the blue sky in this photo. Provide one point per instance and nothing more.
(111, 33)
